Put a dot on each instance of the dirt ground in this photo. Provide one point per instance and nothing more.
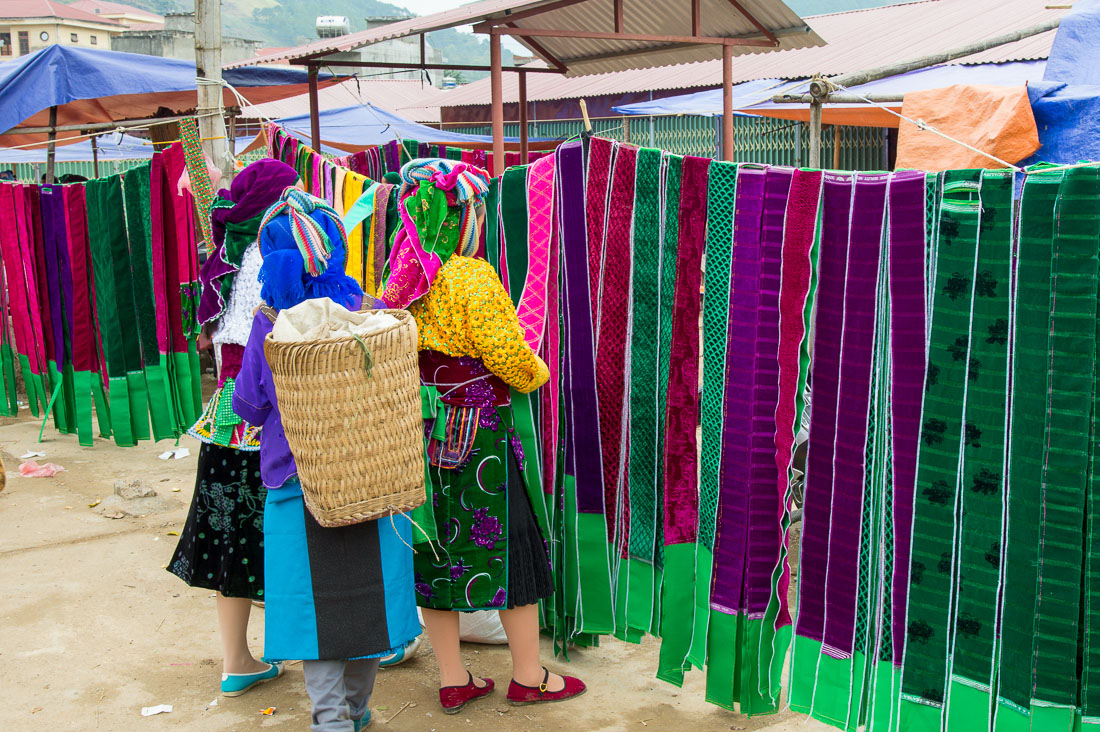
(92, 628)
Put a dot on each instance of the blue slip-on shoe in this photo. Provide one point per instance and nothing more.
(401, 656)
(237, 684)
(362, 723)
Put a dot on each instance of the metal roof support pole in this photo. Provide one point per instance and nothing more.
(314, 111)
(496, 81)
(522, 117)
(727, 103)
(815, 134)
(51, 147)
(95, 157)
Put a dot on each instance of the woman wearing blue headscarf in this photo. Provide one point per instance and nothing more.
(337, 598)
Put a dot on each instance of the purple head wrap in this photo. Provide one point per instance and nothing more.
(254, 190)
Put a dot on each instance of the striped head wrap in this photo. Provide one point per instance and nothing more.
(314, 244)
(304, 248)
(417, 253)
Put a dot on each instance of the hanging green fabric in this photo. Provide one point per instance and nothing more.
(641, 575)
(933, 550)
(1030, 386)
(138, 195)
(981, 487)
(106, 236)
(513, 223)
(1065, 464)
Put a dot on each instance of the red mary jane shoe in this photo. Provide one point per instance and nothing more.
(453, 698)
(519, 694)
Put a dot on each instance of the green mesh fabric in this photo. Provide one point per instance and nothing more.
(669, 234)
(721, 189)
(645, 353)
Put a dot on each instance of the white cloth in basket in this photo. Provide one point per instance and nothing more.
(321, 319)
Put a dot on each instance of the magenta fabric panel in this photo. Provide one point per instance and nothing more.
(681, 498)
(825, 375)
(612, 336)
(598, 184)
(909, 360)
(24, 221)
(158, 186)
(84, 350)
(176, 235)
(802, 206)
(849, 462)
(36, 245)
(11, 252)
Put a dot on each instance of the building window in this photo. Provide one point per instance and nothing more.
(24, 43)
(74, 38)
(94, 40)
(5, 44)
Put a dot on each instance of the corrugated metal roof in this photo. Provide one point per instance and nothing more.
(585, 55)
(47, 9)
(393, 95)
(857, 40)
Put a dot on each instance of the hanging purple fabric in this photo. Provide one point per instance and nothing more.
(731, 531)
(56, 247)
(909, 361)
(828, 320)
(582, 445)
(850, 458)
(681, 498)
(764, 506)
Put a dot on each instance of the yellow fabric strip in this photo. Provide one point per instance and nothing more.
(353, 188)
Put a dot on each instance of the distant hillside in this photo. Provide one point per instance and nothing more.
(820, 7)
(292, 22)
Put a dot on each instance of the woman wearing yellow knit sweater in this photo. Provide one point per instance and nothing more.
(488, 552)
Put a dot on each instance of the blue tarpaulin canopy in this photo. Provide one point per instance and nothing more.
(92, 86)
(366, 125)
(1066, 103)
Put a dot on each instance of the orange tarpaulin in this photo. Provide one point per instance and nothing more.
(995, 119)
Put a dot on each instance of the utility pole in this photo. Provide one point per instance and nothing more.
(208, 68)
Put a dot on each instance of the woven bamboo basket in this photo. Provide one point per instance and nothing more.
(354, 421)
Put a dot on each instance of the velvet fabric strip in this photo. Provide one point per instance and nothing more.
(908, 359)
(582, 453)
(84, 356)
(828, 330)
(795, 303)
(682, 408)
(731, 531)
(764, 504)
(861, 283)
(612, 335)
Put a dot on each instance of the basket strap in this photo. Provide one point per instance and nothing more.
(270, 312)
